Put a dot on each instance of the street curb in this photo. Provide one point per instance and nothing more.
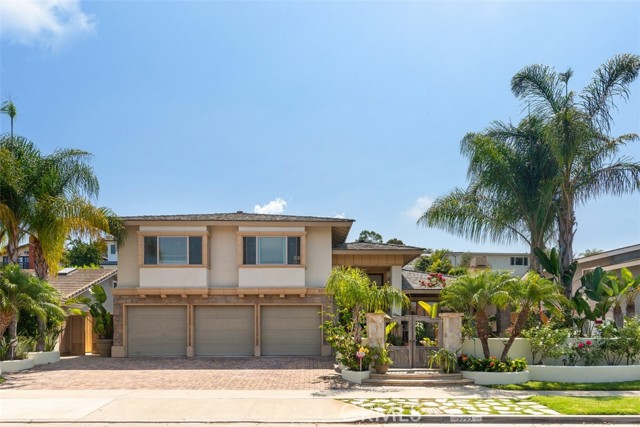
(510, 419)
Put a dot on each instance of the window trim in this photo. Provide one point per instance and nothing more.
(513, 261)
(240, 235)
(187, 234)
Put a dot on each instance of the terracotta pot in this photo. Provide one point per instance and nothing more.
(104, 347)
(381, 369)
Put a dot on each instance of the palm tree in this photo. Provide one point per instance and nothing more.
(510, 194)
(352, 290)
(577, 131)
(527, 294)
(473, 294)
(18, 291)
(51, 201)
(9, 108)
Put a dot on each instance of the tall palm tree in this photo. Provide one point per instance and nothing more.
(51, 201)
(473, 294)
(9, 108)
(577, 131)
(510, 194)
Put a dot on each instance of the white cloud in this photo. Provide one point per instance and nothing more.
(47, 23)
(419, 207)
(339, 215)
(273, 207)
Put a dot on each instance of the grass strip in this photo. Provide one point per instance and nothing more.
(609, 405)
(545, 385)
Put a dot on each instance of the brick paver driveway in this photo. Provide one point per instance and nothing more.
(238, 373)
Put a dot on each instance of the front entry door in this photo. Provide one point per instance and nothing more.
(412, 339)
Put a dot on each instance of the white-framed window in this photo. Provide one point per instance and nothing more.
(172, 250)
(519, 260)
(271, 250)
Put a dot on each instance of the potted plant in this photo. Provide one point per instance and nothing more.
(446, 360)
(102, 320)
(381, 359)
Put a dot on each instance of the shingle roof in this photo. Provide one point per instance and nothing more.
(78, 281)
(367, 246)
(236, 216)
(412, 281)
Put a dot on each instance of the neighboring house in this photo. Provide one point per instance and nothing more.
(611, 261)
(111, 255)
(517, 263)
(77, 338)
(24, 260)
(236, 284)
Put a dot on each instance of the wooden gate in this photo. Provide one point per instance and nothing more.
(412, 339)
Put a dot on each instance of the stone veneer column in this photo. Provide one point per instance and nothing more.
(396, 283)
(375, 329)
(451, 331)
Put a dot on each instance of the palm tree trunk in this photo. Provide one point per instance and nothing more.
(5, 321)
(13, 337)
(12, 248)
(630, 309)
(518, 326)
(482, 326)
(617, 316)
(40, 263)
(566, 229)
(42, 330)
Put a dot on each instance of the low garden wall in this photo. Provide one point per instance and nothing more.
(581, 374)
(16, 365)
(489, 378)
(520, 348)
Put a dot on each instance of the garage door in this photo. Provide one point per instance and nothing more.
(224, 330)
(157, 331)
(290, 331)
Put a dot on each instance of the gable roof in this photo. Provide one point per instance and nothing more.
(78, 281)
(339, 226)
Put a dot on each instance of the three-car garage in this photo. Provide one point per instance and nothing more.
(223, 330)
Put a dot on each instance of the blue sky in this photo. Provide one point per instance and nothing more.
(319, 108)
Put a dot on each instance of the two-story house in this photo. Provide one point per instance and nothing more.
(236, 284)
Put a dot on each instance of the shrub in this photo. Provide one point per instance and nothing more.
(630, 340)
(610, 344)
(583, 351)
(491, 364)
(546, 341)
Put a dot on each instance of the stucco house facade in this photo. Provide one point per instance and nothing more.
(235, 284)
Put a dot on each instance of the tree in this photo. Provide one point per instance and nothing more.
(18, 291)
(436, 262)
(473, 294)
(577, 133)
(84, 254)
(509, 196)
(9, 109)
(527, 294)
(590, 252)
(395, 241)
(369, 237)
(352, 290)
(50, 200)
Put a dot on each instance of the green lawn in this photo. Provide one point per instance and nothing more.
(612, 405)
(543, 385)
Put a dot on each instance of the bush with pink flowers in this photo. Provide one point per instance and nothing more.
(583, 352)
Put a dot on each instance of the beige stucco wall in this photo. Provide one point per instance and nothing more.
(271, 277)
(223, 261)
(319, 256)
(128, 260)
(174, 277)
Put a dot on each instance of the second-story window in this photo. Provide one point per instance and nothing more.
(173, 250)
(277, 250)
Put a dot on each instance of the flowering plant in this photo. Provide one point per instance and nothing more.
(380, 355)
(491, 364)
(585, 352)
(434, 280)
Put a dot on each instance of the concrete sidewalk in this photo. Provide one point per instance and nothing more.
(219, 406)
